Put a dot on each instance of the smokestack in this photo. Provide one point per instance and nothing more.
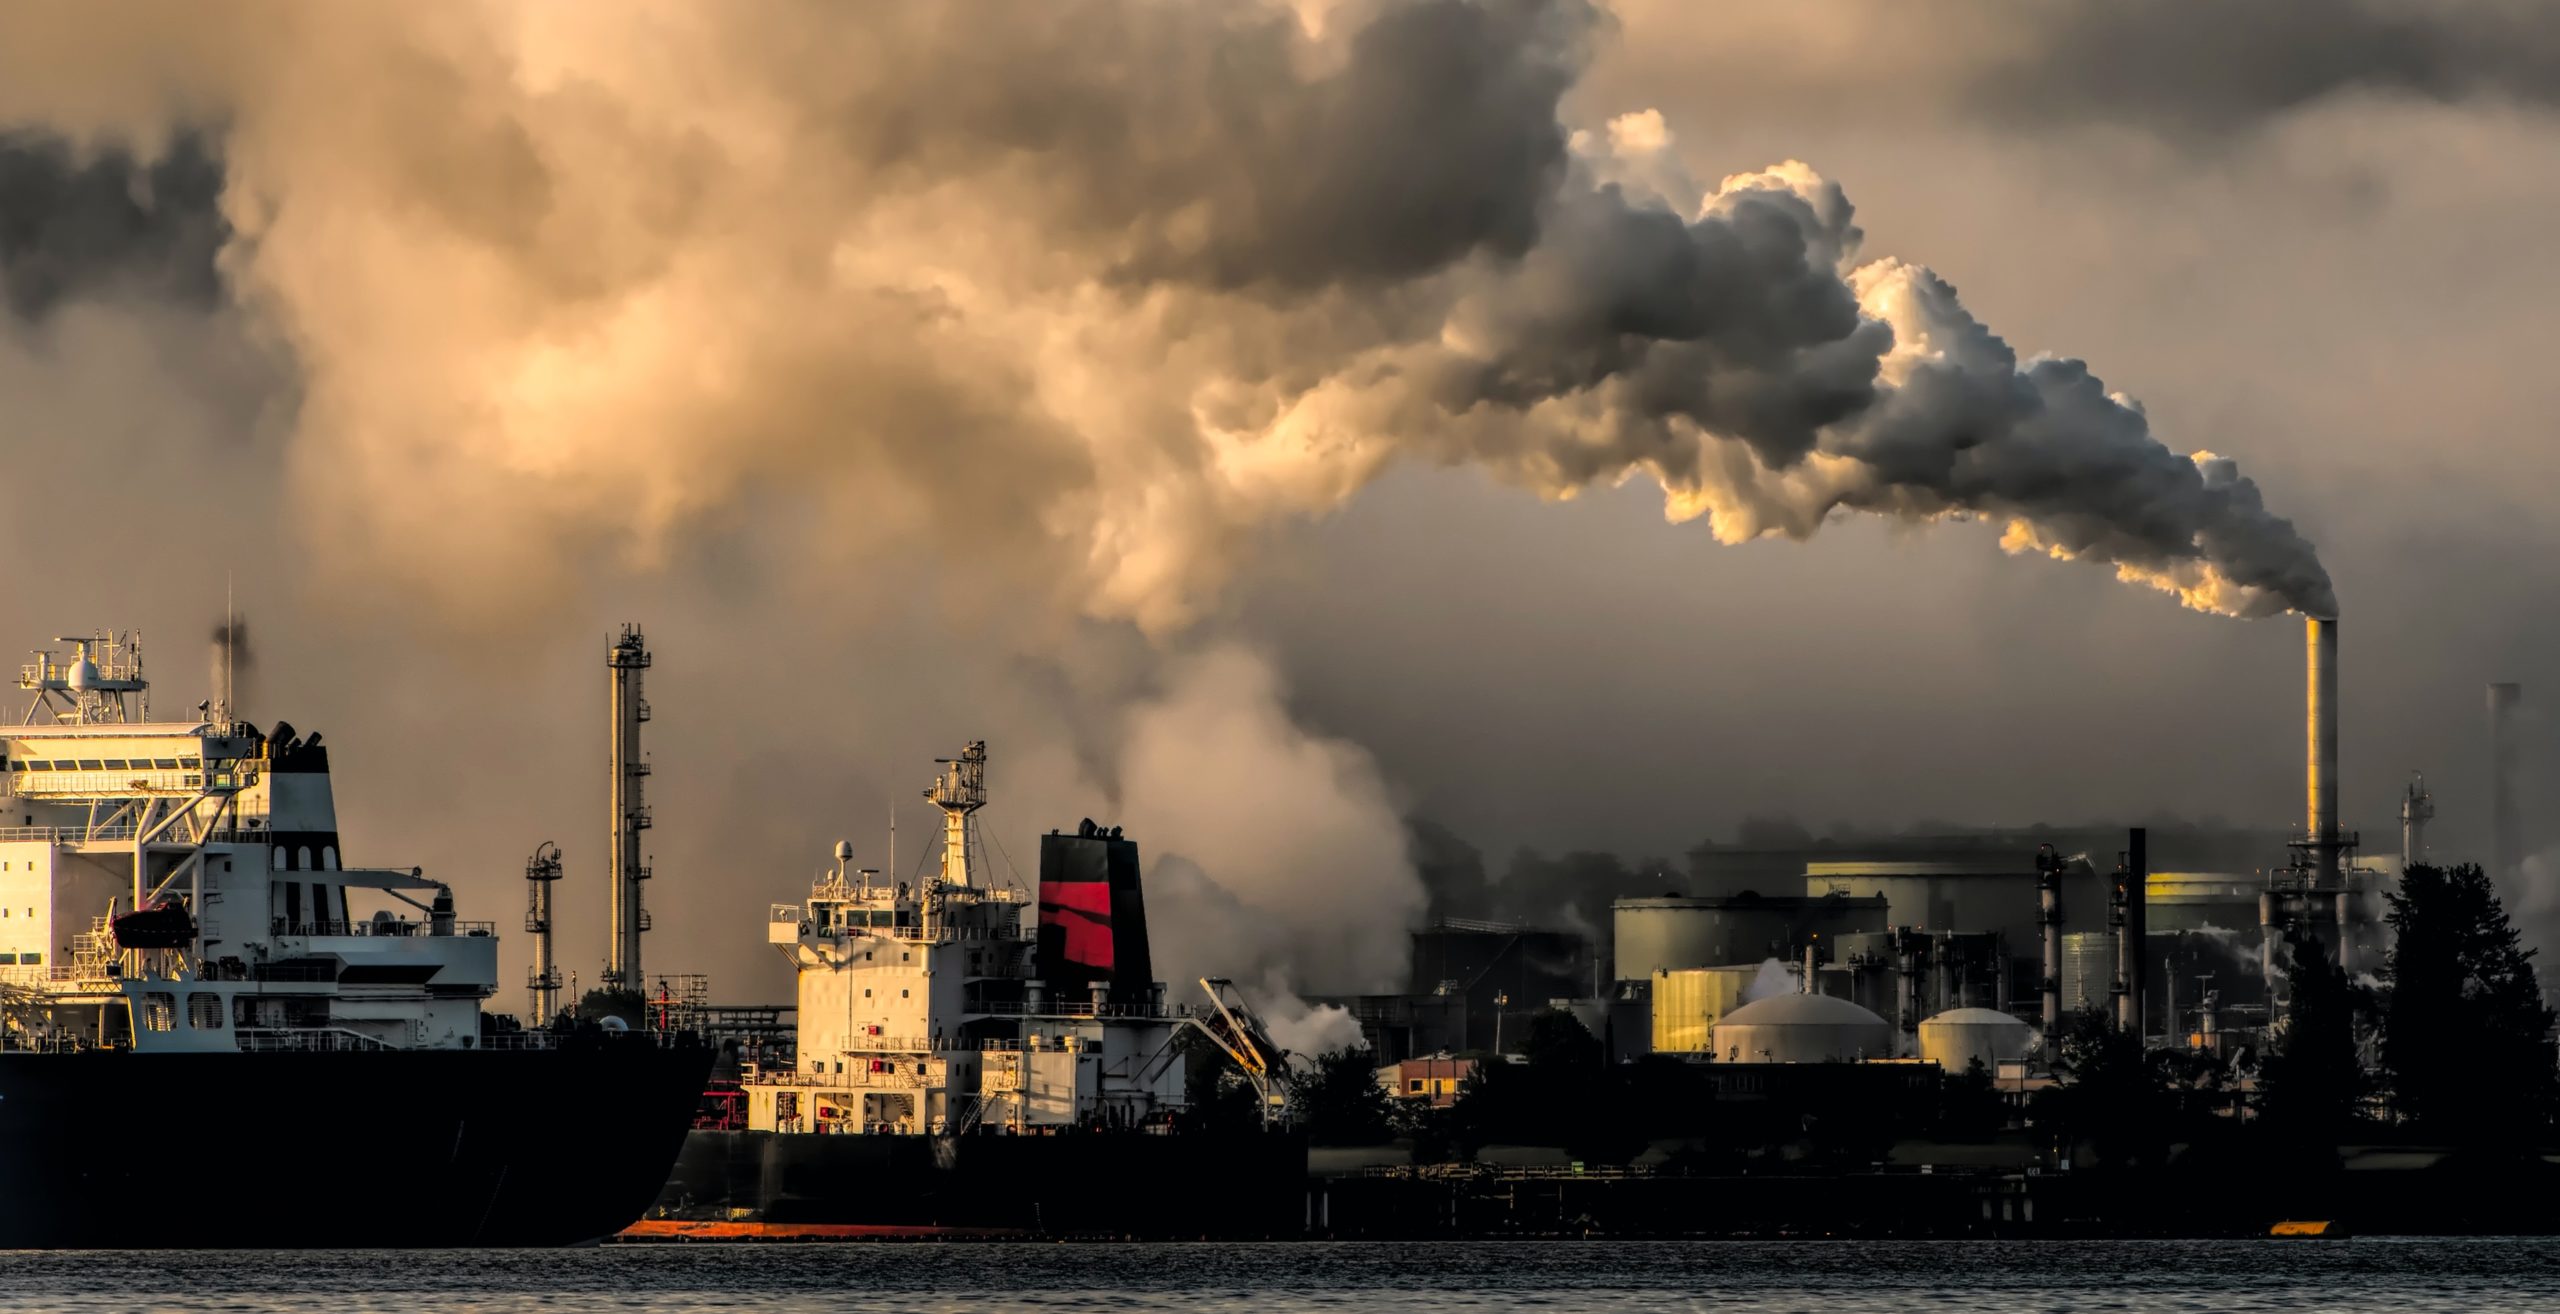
(2506, 828)
(2049, 917)
(2133, 876)
(2320, 793)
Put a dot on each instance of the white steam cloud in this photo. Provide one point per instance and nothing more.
(1114, 284)
(1086, 297)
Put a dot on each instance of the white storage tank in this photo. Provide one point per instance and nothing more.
(1955, 1038)
(1802, 1029)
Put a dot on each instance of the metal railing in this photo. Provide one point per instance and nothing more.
(123, 832)
(313, 1040)
(399, 929)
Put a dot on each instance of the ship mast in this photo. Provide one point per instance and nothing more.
(960, 791)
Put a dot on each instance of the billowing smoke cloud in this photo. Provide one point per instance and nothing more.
(1114, 284)
(1274, 857)
(109, 223)
(1085, 301)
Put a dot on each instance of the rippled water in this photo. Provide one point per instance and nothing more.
(1843, 1277)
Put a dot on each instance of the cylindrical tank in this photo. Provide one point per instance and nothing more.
(1802, 1029)
(1956, 1038)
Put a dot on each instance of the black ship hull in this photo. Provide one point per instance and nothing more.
(1089, 1184)
(536, 1147)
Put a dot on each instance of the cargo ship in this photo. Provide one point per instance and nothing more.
(968, 1062)
(215, 1033)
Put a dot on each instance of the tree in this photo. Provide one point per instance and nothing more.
(2110, 1095)
(1216, 1096)
(1339, 1100)
(2466, 1036)
(2312, 1084)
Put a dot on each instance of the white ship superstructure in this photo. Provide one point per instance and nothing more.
(922, 1009)
(179, 886)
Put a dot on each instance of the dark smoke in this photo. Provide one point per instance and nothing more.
(232, 637)
(2200, 67)
(73, 225)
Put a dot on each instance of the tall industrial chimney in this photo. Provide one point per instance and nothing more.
(2049, 918)
(2133, 879)
(628, 657)
(2320, 795)
(2506, 827)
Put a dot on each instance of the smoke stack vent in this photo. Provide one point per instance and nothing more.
(2320, 794)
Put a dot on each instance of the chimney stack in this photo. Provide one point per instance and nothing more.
(2321, 744)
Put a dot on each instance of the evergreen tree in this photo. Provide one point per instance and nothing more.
(2312, 1083)
(2466, 1036)
(2110, 1095)
(1339, 1100)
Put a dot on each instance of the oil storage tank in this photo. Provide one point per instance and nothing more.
(1802, 1029)
(1959, 1037)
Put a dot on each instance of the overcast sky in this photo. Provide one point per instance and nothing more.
(892, 373)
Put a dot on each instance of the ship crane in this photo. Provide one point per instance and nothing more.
(1240, 1036)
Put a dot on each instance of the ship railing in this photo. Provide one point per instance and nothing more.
(123, 832)
(1084, 1008)
(918, 934)
(398, 929)
(516, 1040)
(891, 1045)
(864, 1080)
(308, 1040)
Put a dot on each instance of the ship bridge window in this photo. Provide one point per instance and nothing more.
(92, 764)
(190, 763)
(204, 1010)
(31, 960)
(164, 763)
(8, 960)
(35, 766)
(116, 764)
(159, 1011)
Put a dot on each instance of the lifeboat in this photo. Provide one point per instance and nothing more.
(163, 925)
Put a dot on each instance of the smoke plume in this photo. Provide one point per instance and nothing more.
(233, 660)
(1118, 285)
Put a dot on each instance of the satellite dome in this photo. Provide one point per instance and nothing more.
(83, 673)
(844, 850)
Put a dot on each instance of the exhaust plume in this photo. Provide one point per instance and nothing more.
(232, 658)
(1116, 285)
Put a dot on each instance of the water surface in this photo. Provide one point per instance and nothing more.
(1835, 1277)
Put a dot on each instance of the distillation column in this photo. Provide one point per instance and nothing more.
(2049, 918)
(541, 873)
(628, 657)
(2417, 808)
